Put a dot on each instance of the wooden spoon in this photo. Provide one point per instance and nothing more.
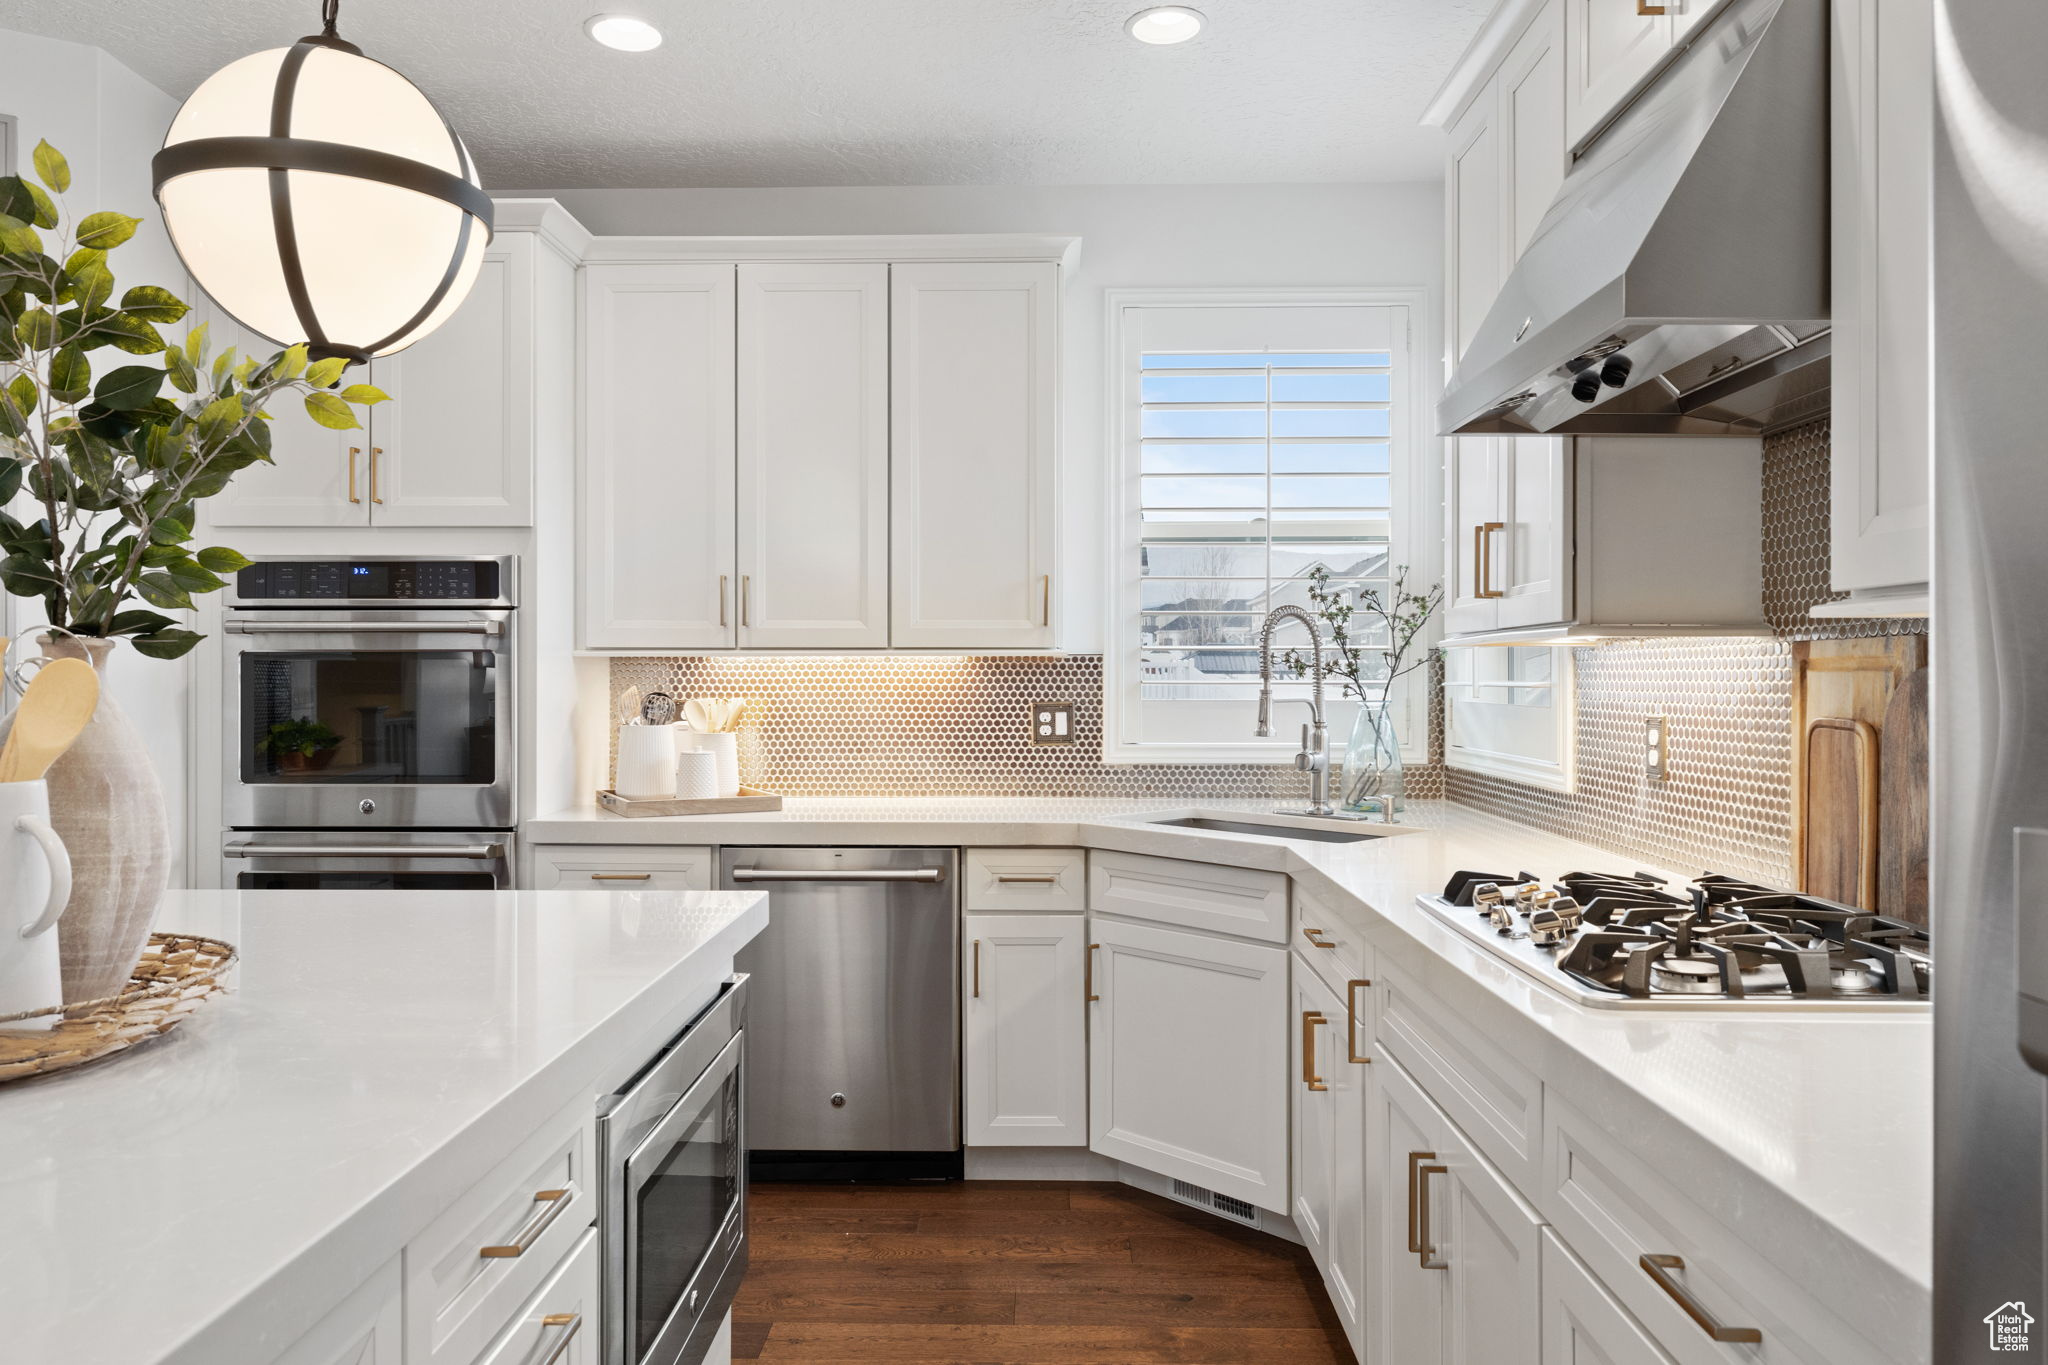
(57, 704)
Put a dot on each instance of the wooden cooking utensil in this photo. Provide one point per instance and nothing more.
(1902, 805)
(57, 704)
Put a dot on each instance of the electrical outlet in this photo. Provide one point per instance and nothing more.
(1052, 722)
(1657, 749)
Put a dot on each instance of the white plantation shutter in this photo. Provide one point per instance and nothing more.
(1260, 444)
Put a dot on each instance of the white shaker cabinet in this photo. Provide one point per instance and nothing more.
(1025, 1065)
(1611, 47)
(1881, 431)
(973, 354)
(813, 455)
(658, 552)
(1187, 1058)
(1582, 1323)
(457, 443)
(1472, 192)
(1458, 1250)
(1331, 1081)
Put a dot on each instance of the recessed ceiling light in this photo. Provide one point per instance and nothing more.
(1164, 24)
(623, 31)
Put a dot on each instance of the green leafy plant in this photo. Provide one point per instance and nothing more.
(1396, 619)
(117, 464)
(304, 736)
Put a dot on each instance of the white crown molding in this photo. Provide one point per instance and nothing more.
(547, 220)
(1485, 52)
(899, 247)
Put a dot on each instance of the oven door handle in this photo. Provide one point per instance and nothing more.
(365, 627)
(244, 849)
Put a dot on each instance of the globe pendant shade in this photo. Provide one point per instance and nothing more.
(319, 196)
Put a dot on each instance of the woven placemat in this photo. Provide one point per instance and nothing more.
(176, 973)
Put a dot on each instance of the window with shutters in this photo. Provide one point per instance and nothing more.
(1259, 444)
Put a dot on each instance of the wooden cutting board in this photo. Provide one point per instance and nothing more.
(1841, 810)
(1902, 804)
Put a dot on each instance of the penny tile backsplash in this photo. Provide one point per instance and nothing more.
(914, 725)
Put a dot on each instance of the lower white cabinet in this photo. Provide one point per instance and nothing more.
(559, 1325)
(1187, 1058)
(620, 867)
(1331, 1082)
(1024, 1072)
(1458, 1249)
(1582, 1324)
(366, 1328)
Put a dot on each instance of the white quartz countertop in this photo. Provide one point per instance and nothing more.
(378, 1050)
(1820, 1121)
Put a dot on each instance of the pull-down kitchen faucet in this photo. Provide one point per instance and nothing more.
(1314, 758)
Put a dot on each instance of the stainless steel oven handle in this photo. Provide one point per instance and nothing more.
(245, 849)
(878, 874)
(353, 627)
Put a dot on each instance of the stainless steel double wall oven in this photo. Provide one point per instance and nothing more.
(370, 723)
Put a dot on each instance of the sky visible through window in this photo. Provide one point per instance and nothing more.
(1255, 468)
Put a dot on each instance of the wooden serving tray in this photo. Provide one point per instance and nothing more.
(750, 799)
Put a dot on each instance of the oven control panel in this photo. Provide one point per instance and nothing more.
(372, 579)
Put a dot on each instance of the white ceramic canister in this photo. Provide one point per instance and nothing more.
(724, 746)
(647, 763)
(35, 885)
(696, 773)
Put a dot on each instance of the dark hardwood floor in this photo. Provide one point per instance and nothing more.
(1020, 1273)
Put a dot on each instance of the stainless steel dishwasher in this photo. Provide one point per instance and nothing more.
(853, 1012)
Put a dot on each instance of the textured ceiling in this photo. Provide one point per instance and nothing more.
(863, 92)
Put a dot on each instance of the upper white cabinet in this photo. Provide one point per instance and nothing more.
(456, 444)
(972, 419)
(1882, 422)
(814, 455)
(657, 552)
(1612, 46)
(1472, 210)
(1187, 1058)
(836, 453)
(1530, 105)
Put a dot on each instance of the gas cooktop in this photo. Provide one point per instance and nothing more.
(1634, 939)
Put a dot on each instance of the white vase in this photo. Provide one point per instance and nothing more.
(107, 805)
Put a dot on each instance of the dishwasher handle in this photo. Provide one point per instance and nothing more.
(876, 874)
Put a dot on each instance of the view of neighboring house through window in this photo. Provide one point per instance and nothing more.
(1250, 467)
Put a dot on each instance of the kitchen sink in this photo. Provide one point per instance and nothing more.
(1277, 830)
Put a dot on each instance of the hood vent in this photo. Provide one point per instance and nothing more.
(1679, 285)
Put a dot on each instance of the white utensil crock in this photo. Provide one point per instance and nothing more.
(724, 746)
(35, 885)
(647, 763)
(696, 774)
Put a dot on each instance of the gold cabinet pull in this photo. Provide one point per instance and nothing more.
(1424, 1251)
(1309, 1020)
(621, 876)
(1648, 10)
(1351, 990)
(1045, 606)
(977, 969)
(554, 1201)
(1483, 538)
(1415, 1159)
(353, 451)
(572, 1321)
(746, 607)
(1088, 973)
(722, 579)
(1659, 1268)
(1315, 936)
(375, 496)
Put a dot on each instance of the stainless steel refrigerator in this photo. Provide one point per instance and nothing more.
(1990, 710)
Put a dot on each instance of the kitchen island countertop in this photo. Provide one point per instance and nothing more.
(205, 1197)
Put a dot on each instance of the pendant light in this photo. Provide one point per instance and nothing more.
(319, 196)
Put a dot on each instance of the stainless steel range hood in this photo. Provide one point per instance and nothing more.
(1679, 285)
